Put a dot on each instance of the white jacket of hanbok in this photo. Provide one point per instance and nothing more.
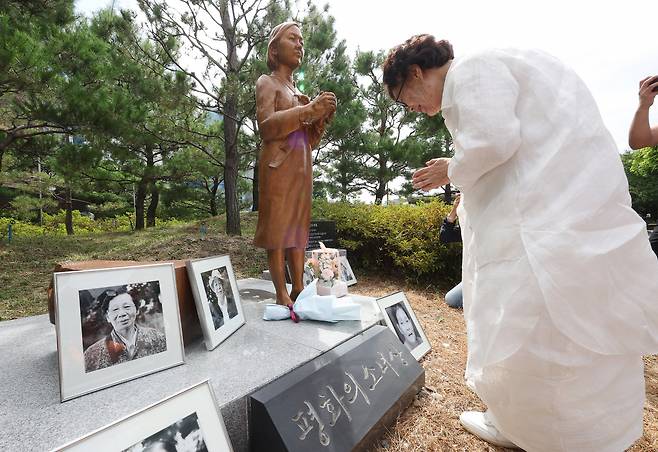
(546, 215)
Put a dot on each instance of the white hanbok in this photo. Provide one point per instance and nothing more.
(560, 284)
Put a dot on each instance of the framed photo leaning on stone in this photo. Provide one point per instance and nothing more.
(217, 298)
(114, 325)
(187, 421)
(346, 272)
(401, 319)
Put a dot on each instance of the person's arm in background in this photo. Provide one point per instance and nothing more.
(450, 231)
(641, 134)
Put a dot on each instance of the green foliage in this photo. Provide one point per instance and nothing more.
(119, 126)
(26, 207)
(642, 171)
(401, 239)
(19, 228)
(55, 225)
(384, 141)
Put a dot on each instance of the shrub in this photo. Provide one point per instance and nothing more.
(19, 228)
(55, 225)
(401, 239)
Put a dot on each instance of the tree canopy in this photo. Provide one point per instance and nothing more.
(150, 114)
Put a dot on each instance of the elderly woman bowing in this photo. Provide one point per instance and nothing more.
(559, 283)
(290, 126)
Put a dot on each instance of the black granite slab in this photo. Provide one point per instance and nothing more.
(342, 400)
(322, 231)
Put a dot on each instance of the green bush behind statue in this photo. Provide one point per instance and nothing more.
(396, 239)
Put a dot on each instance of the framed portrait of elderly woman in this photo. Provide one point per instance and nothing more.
(401, 319)
(114, 325)
(187, 421)
(217, 298)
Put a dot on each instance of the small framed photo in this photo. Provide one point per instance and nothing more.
(308, 276)
(114, 325)
(346, 273)
(217, 298)
(400, 318)
(189, 421)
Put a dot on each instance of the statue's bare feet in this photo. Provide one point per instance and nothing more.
(294, 294)
(284, 300)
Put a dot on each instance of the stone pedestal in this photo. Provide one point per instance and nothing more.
(258, 353)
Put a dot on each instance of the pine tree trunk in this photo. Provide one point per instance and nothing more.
(213, 196)
(4, 145)
(381, 181)
(447, 194)
(153, 205)
(231, 177)
(231, 127)
(380, 193)
(140, 199)
(68, 221)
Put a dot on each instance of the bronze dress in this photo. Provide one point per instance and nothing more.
(285, 167)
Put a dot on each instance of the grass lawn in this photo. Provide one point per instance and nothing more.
(430, 424)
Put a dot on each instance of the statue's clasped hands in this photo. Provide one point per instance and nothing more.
(324, 105)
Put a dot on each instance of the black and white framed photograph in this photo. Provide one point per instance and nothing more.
(308, 276)
(115, 324)
(401, 319)
(189, 421)
(217, 298)
(346, 272)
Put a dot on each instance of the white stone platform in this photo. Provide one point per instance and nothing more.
(33, 419)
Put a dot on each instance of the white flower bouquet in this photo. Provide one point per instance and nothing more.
(324, 263)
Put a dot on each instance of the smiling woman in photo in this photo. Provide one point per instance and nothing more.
(127, 340)
(220, 296)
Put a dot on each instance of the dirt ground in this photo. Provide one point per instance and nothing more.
(432, 422)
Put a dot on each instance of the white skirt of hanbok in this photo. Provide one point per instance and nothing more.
(571, 399)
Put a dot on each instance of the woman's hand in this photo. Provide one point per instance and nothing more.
(434, 175)
(647, 93)
(452, 216)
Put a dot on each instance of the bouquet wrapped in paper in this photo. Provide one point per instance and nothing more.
(325, 265)
(310, 306)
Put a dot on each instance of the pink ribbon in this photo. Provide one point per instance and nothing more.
(293, 315)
